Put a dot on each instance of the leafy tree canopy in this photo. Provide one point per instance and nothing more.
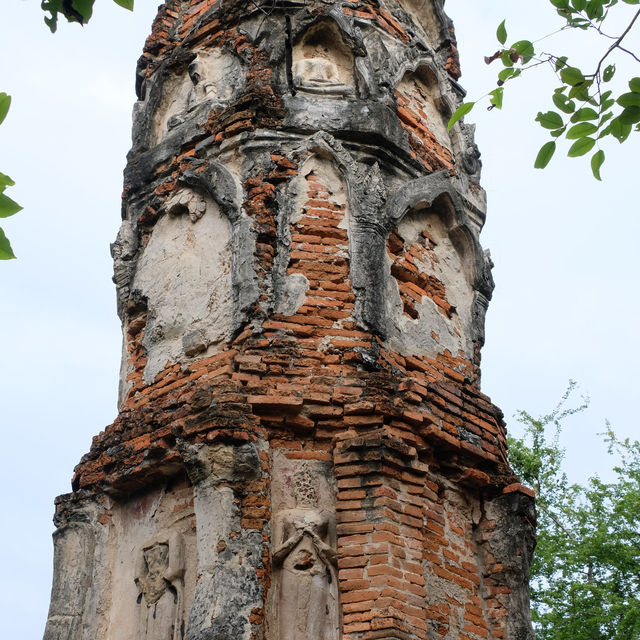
(585, 575)
(587, 108)
(73, 10)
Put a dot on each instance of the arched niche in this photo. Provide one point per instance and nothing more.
(322, 62)
(432, 283)
(157, 519)
(426, 16)
(212, 76)
(184, 273)
(426, 112)
(317, 260)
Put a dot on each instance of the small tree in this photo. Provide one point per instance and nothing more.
(586, 107)
(585, 574)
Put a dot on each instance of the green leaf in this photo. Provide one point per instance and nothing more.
(5, 181)
(127, 4)
(560, 4)
(557, 133)
(581, 130)
(572, 76)
(525, 49)
(550, 120)
(586, 113)
(619, 130)
(580, 147)
(563, 103)
(634, 85)
(594, 9)
(581, 91)
(5, 103)
(83, 9)
(6, 252)
(8, 207)
(630, 115)
(629, 100)
(496, 97)
(506, 59)
(53, 7)
(606, 117)
(596, 163)
(561, 63)
(606, 101)
(578, 23)
(579, 5)
(609, 72)
(544, 155)
(460, 112)
(501, 33)
(507, 73)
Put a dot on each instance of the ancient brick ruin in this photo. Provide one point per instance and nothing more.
(302, 450)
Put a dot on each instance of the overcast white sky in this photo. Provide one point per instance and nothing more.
(566, 303)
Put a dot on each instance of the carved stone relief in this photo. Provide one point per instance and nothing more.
(322, 63)
(212, 76)
(159, 575)
(185, 275)
(153, 561)
(305, 602)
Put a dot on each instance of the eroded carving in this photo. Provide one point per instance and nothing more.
(212, 76)
(184, 273)
(158, 577)
(304, 555)
(186, 201)
(322, 63)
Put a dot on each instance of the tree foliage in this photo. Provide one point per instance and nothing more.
(585, 575)
(586, 108)
(8, 207)
(73, 10)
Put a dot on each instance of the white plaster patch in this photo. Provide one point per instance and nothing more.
(424, 15)
(175, 96)
(185, 274)
(409, 336)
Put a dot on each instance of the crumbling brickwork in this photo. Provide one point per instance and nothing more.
(302, 449)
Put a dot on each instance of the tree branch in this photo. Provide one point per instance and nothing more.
(616, 44)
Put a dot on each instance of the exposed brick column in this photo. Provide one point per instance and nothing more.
(302, 449)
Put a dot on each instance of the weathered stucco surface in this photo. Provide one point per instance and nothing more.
(302, 449)
(184, 274)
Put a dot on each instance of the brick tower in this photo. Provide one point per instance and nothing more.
(302, 450)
